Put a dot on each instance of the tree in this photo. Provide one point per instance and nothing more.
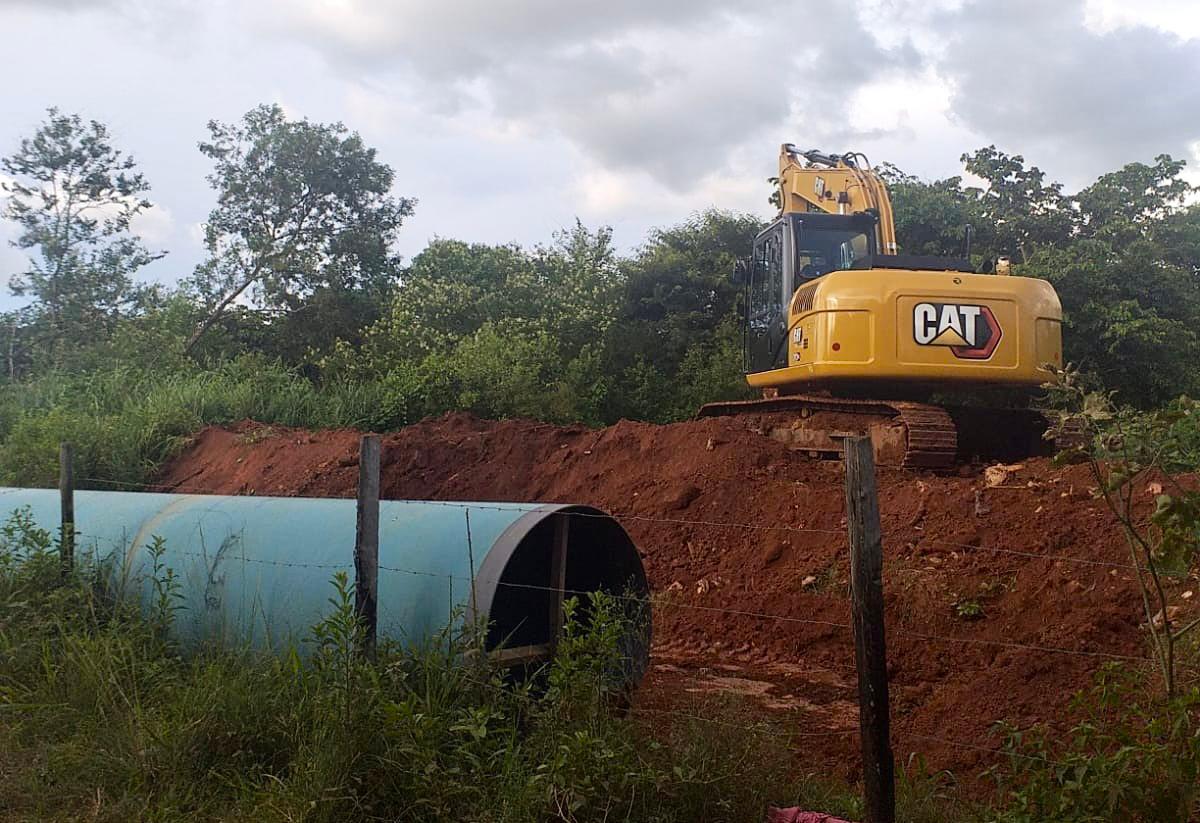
(300, 207)
(73, 196)
(1024, 210)
(678, 288)
(1124, 205)
(677, 337)
(932, 217)
(15, 327)
(1126, 276)
(568, 290)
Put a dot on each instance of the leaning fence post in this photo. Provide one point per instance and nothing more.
(366, 542)
(870, 649)
(66, 493)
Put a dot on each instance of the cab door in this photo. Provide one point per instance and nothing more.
(766, 308)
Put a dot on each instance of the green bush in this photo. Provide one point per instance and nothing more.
(1133, 757)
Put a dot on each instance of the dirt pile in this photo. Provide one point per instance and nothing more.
(1005, 591)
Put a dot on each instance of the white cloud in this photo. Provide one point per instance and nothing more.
(155, 226)
(1031, 77)
(1178, 17)
(663, 88)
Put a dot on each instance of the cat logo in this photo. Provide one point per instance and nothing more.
(970, 332)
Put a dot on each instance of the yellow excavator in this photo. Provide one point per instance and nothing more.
(844, 335)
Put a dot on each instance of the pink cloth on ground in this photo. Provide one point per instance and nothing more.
(794, 815)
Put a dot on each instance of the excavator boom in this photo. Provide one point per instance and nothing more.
(835, 184)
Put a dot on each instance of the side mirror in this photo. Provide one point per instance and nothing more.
(740, 273)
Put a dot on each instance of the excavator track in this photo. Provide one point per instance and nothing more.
(903, 433)
(912, 435)
(931, 434)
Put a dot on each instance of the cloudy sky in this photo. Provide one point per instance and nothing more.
(507, 119)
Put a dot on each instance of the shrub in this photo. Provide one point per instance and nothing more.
(1133, 756)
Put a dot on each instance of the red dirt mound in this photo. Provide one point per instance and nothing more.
(1003, 599)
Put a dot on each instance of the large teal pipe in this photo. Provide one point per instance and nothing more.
(259, 569)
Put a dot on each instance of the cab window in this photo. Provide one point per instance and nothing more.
(821, 250)
(766, 281)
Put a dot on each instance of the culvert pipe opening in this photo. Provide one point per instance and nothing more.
(555, 553)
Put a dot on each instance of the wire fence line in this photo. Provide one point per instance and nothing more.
(723, 524)
(669, 603)
(787, 618)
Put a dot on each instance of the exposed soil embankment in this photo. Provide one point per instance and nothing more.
(733, 526)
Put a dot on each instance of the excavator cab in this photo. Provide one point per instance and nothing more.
(795, 250)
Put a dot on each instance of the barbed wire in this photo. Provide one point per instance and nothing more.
(747, 613)
(644, 601)
(1036, 556)
(629, 516)
(786, 618)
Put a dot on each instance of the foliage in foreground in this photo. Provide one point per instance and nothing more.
(101, 716)
(1134, 752)
(1133, 456)
(125, 422)
(1134, 756)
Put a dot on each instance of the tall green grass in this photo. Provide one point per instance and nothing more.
(126, 422)
(103, 718)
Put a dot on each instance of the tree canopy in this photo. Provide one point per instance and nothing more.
(302, 208)
(72, 196)
(302, 273)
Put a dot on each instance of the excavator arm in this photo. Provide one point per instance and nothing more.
(835, 184)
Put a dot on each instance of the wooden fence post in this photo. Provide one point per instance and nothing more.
(66, 493)
(558, 578)
(870, 649)
(366, 542)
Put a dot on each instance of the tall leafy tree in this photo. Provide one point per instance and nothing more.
(1024, 210)
(931, 218)
(73, 196)
(1126, 275)
(678, 290)
(568, 289)
(1127, 204)
(676, 340)
(301, 208)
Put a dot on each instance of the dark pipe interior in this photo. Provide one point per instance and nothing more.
(600, 557)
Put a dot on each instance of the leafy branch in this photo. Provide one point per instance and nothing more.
(1127, 451)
